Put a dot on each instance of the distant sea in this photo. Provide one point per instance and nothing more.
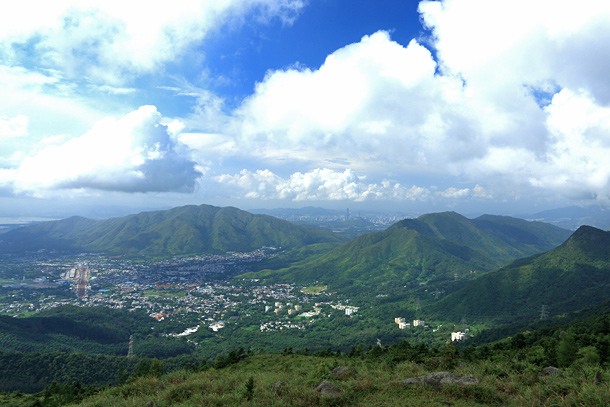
(7, 223)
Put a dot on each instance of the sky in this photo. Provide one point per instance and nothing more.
(489, 106)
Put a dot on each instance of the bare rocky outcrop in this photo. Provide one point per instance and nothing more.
(343, 372)
(328, 389)
(439, 379)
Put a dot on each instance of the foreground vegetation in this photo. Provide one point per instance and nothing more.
(509, 375)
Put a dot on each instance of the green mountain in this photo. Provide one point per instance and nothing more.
(183, 230)
(431, 248)
(573, 276)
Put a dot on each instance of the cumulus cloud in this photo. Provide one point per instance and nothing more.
(106, 40)
(553, 41)
(366, 102)
(323, 184)
(554, 56)
(376, 105)
(522, 104)
(135, 153)
(318, 185)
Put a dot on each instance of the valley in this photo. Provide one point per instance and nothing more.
(436, 281)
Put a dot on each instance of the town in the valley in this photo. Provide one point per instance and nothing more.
(197, 291)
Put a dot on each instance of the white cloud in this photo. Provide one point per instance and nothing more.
(12, 127)
(481, 41)
(135, 153)
(50, 105)
(107, 40)
(454, 193)
(521, 104)
(365, 102)
(563, 147)
(576, 162)
(318, 185)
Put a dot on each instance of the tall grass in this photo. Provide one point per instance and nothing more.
(248, 383)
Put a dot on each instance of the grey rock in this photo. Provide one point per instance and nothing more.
(439, 379)
(328, 389)
(550, 371)
(343, 372)
(277, 386)
(597, 379)
(150, 404)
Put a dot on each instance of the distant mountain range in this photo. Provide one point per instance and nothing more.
(573, 217)
(184, 230)
(431, 248)
(573, 276)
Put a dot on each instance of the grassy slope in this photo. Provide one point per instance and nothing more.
(502, 383)
(573, 276)
(183, 230)
(430, 248)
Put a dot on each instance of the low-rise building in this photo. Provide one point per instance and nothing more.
(457, 336)
(418, 322)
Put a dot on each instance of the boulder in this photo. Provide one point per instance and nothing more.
(597, 379)
(328, 389)
(343, 372)
(277, 386)
(439, 379)
(550, 371)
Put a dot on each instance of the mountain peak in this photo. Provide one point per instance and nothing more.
(589, 240)
(590, 234)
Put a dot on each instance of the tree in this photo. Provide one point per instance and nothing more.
(567, 350)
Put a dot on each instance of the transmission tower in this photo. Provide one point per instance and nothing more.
(130, 352)
(417, 305)
(543, 312)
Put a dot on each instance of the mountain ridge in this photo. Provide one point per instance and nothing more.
(433, 247)
(573, 276)
(183, 230)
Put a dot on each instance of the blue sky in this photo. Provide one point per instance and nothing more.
(469, 105)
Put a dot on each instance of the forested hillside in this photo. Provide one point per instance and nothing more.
(200, 229)
(574, 276)
(432, 248)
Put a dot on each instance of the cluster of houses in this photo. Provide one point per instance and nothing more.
(215, 326)
(279, 307)
(402, 324)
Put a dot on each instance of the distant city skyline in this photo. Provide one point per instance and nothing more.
(111, 108)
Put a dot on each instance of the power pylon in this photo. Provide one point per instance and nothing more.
(543, 313)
